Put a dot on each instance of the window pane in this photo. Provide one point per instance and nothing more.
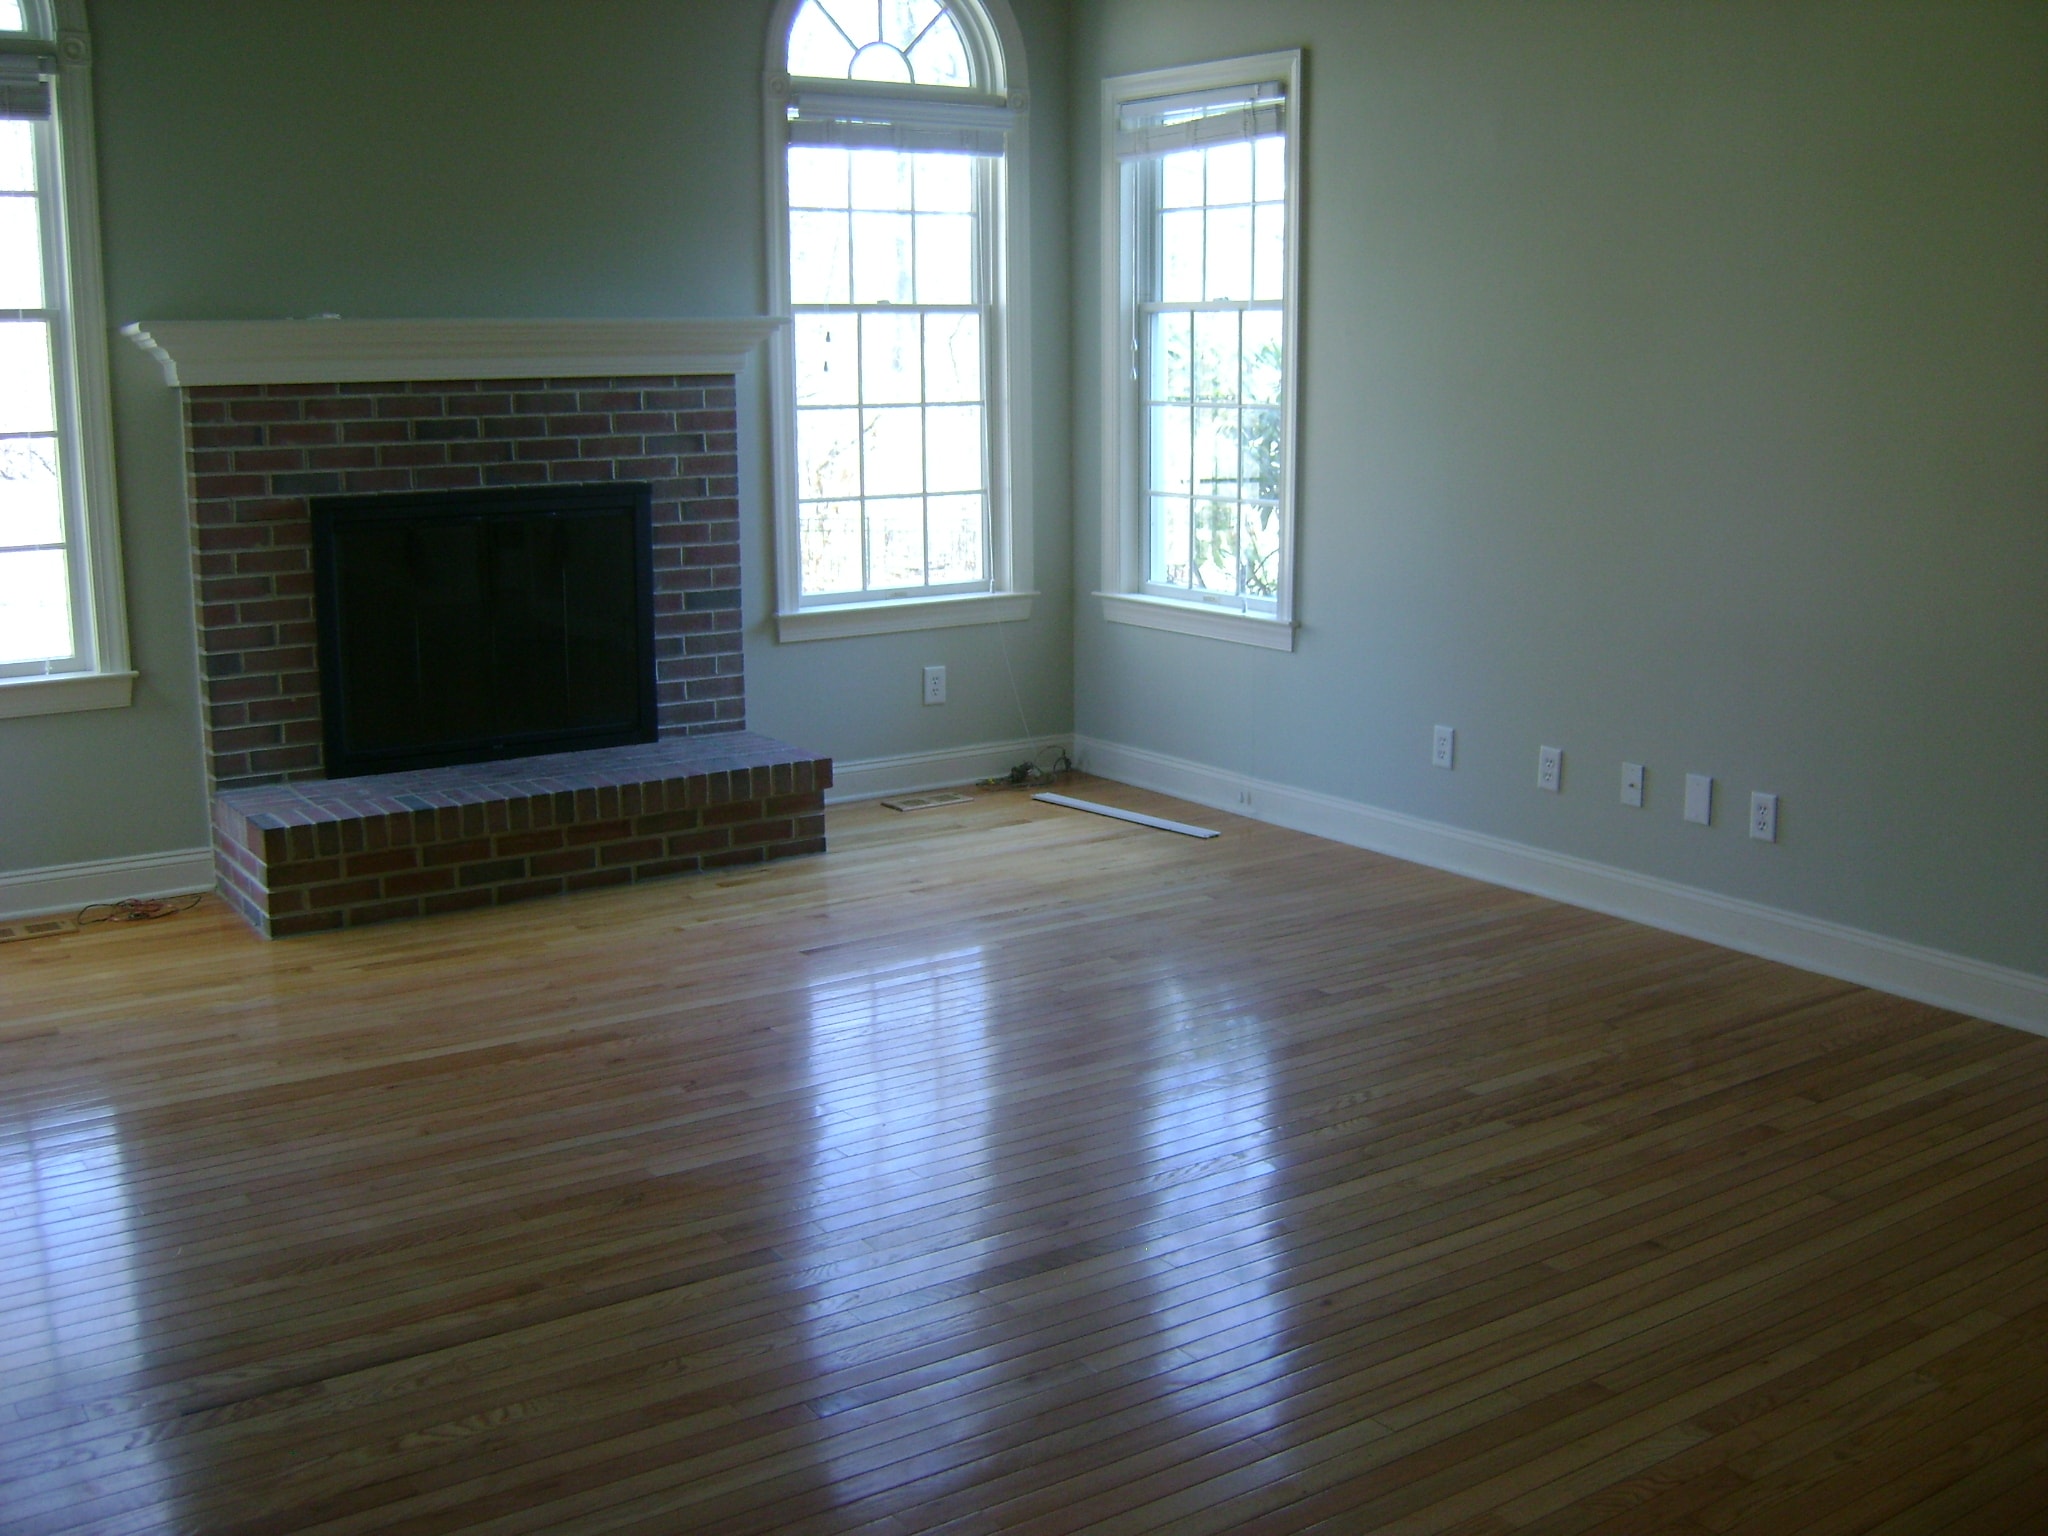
(1170, 356)
(817, 177)
(25, 398)
(1172, 464)
(827, 360)
(1170, 529)
(817, 258)
(904, 20)
(892, 458)
(945, 258)
(896, 543)
(1229, 274)
(1230, 174)
(1215, 440)
(881, 258)
(878, 61)
(889, 360)
(10, 16)
(827, 454)
(856, 18)
(952, 357)
(945, 183)
(31, 509)
(1269, 251)
(940, 58)
(1259, 453)
(815, 46)
(1215, 360)
(1180, 179)
(831, 545)
(1180, 256)
(881, 180)
(1262, 356)
(953, 448)
(35, 606)
(1216, 546)
(955, 526)
(1261, 550)
(21, 254)
(17, 157)
(1269, 168)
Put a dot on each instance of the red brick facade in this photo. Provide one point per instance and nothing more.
(256, 452)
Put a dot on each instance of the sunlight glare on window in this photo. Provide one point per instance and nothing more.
(891, 436)
(10, 16)
(1213, 333)
(35, 605)
(17, 157)
(21, 252)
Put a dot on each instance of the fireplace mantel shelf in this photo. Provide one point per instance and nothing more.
(194, 353)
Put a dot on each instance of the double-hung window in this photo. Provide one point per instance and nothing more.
(1202, 175)
(893, 136)
(63, 644)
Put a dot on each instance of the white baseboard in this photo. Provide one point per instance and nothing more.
(867, 778)
(1946, 980)
(67, 887)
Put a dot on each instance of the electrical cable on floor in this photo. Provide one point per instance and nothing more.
(136, 909)
(1032, 773)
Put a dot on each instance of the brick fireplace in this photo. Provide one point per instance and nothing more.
(278, 412)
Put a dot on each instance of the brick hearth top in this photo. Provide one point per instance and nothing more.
(730, 761)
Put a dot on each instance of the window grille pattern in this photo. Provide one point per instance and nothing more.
(905, 42)
(1212, 337)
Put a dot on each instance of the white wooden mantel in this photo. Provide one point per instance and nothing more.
(194, 353)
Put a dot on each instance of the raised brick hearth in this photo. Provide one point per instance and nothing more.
(297, 851)
(329, 853)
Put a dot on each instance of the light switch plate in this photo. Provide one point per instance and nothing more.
(1699, 798)
(1632, 784)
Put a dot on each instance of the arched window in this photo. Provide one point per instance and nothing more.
(893, 135)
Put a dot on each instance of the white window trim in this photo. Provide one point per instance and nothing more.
(85, 409)
(1009, 405)
(1123, 594)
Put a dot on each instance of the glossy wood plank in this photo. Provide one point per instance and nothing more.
(1009, 1169)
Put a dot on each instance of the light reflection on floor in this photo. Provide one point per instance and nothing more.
(900, 1183)
(1216, 1255)
(70, 1325)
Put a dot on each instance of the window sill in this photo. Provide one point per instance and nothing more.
(1197, 619)
(64, 693)
(903, 614)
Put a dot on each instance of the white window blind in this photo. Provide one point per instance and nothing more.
(1196, 119)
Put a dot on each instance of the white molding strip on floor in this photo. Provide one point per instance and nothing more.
(871, 777)
(1947, 980)
(67, 887)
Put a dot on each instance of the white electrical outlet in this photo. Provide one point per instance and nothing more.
(1699, 798)
(1763, 817)
(1550, 769)
(1443, 751)
(935, 685)
(1632, 784)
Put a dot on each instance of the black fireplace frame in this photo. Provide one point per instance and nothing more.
(331, 514)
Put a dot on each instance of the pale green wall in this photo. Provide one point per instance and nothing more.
(477, 158)
(1675, 388)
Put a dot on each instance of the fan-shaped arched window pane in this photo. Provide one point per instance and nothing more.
(906, 42)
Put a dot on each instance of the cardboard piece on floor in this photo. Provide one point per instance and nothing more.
(925, 802)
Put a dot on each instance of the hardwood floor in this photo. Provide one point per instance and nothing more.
(1010, 1169)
